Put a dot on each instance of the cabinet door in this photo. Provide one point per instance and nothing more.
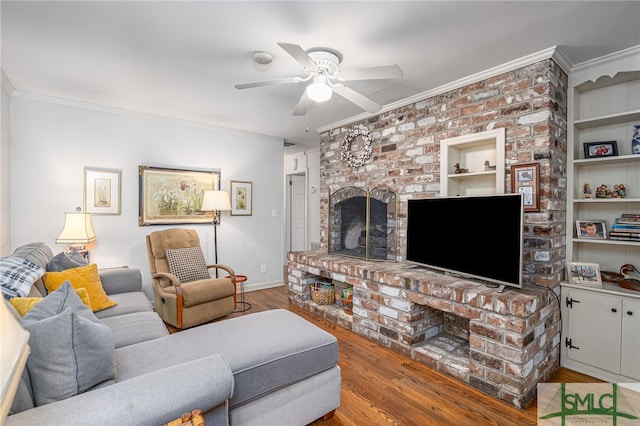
(594, 330)
(631, 339)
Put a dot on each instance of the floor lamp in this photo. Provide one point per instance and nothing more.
(216, 202)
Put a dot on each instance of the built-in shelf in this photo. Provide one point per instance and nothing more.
(471, 152)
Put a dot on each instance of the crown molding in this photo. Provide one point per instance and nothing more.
(549, 53)
(137, 114)
(6, 83)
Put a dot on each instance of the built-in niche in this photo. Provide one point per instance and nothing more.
(363, 223)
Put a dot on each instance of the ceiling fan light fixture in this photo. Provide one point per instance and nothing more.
(319, 90)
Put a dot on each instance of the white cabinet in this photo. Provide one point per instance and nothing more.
(601, 332)
(471, 152)
(604, 105)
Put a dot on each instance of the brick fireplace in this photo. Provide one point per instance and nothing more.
(500, 343)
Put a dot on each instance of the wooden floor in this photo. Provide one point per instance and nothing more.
(382, 387)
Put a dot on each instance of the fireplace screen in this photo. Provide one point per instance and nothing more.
(363, 223)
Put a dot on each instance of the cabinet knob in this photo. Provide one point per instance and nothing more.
(629, 312)
(614, 310)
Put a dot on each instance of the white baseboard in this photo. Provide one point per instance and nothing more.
(262, 286)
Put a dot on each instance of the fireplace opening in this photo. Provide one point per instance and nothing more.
(362, 224)
(446, 344)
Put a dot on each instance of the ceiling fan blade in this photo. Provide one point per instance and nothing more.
(303, 104)
(269, 82)
(299, 55)
(356, 98)
(372, 73)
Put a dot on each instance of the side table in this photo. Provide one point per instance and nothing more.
(240, 279)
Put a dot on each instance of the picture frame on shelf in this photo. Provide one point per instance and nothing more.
(169, 196)
(600, 149)
(241, 198)
(525, 180)
(102, 191)
(591, 229)
(587, 274)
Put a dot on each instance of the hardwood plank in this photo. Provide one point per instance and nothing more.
(382, 387)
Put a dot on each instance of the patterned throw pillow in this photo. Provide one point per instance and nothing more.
(187, 264)
(17, 276)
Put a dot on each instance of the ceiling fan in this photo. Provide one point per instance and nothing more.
(322, 68)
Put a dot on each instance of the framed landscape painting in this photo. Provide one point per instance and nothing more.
(174, 196)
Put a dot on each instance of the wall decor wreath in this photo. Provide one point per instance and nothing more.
(347, 156)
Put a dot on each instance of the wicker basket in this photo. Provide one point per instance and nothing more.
(323, 296)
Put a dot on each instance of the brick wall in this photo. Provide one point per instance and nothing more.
(530, 103)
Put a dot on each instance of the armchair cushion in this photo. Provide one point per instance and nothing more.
(187, 264)
(203, 291)
(83, 277)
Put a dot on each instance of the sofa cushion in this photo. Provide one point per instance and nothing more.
(285, 348)
(136, 327)
(127, 303)
(24, 304)
(187, 264)
(71, 350)
(66, 260)
(17, 275)
(85, 277)
(40, 254)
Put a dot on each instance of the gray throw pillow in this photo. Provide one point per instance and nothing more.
(66, 260)
(71, 350)
(187, 264)
(69, 355)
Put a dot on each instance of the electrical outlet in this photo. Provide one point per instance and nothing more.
(263, 269)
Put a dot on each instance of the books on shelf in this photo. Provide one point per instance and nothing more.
(626, 228)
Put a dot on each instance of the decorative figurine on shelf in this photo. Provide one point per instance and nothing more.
(603, 191)
(622, 190)
(458, 169)
(586, 190)
(488, 166)
(635, 142)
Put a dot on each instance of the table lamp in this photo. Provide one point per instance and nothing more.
(216, 202)
(77, 231)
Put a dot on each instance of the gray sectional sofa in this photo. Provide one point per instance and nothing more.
(267, 368)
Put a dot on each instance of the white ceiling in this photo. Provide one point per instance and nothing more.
(181, 59)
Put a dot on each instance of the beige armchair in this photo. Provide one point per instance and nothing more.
(196, 298)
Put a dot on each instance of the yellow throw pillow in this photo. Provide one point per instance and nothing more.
(24, 304)
(83, 277)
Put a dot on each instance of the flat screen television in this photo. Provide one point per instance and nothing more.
(473, 236)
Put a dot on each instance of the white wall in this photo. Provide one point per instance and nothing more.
(52, 142)
(5, 117)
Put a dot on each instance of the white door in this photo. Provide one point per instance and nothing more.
(297, 224)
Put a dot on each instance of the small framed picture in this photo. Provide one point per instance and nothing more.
(241, 198)
(101, 191)
(591, 229)
(584, 273)
(600, 149)
(525, 180)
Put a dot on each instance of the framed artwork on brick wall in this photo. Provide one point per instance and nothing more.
(525, 180)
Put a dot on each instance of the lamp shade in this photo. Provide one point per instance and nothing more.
(77, 229)
(216, 201)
